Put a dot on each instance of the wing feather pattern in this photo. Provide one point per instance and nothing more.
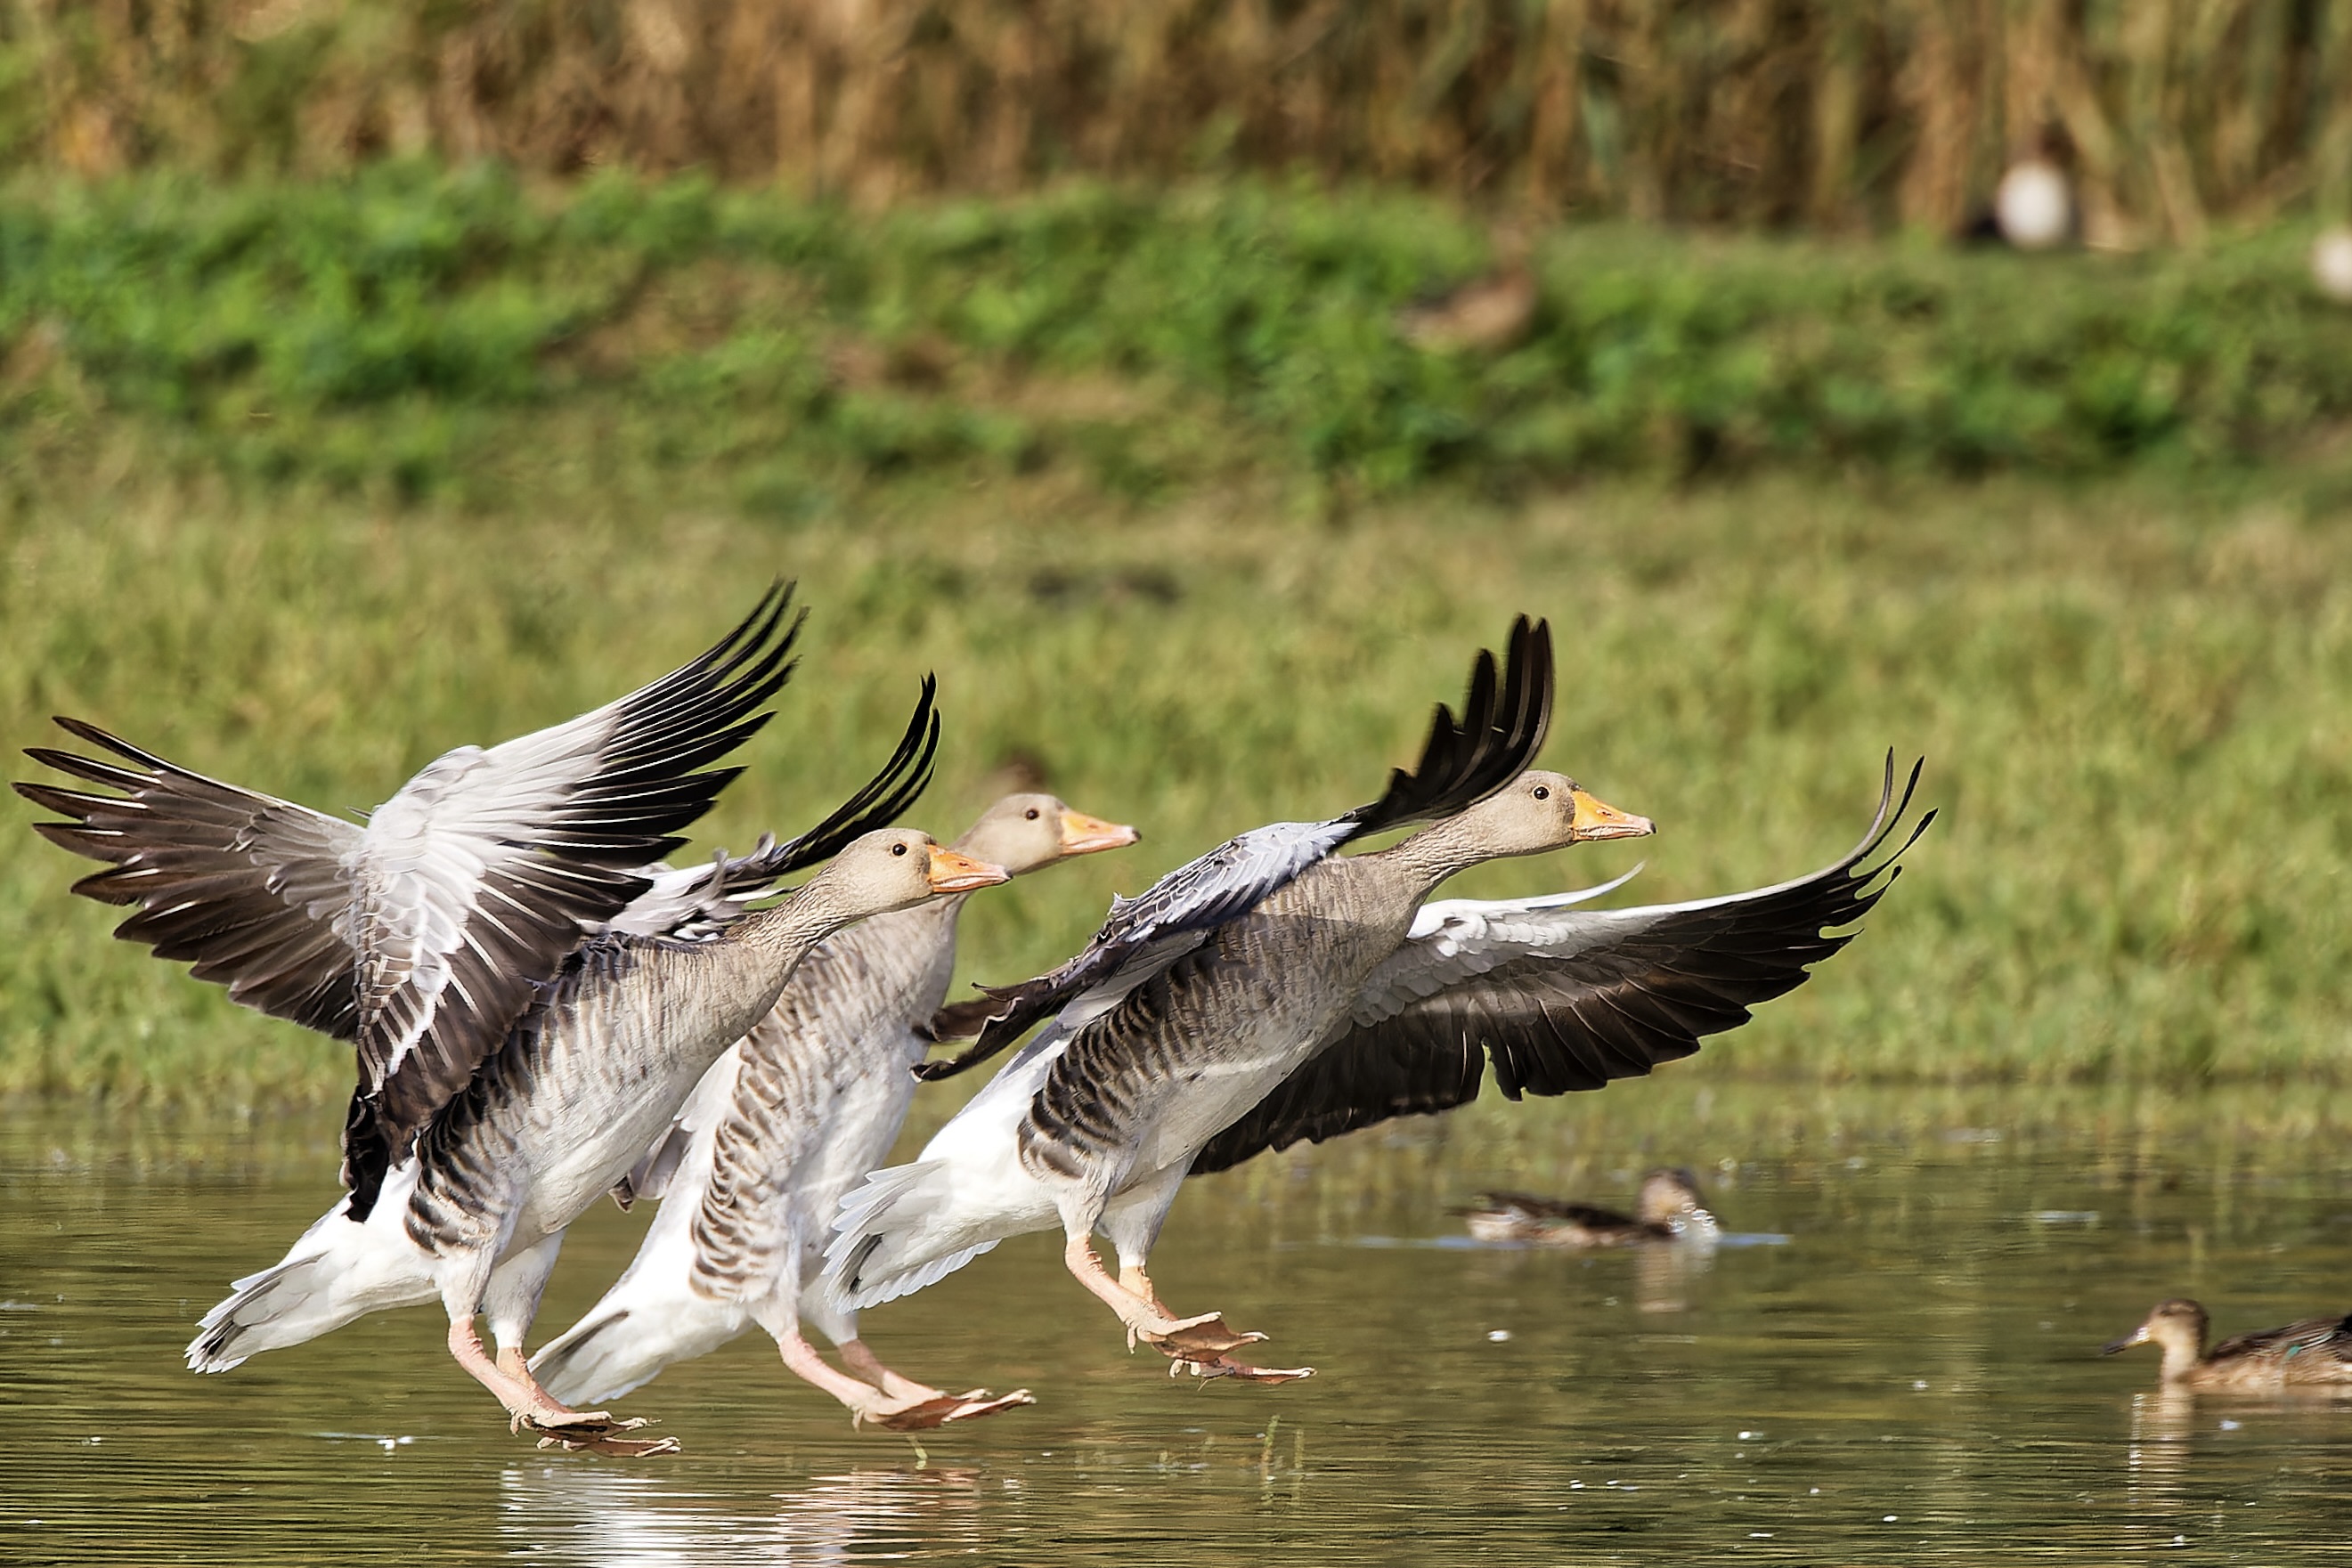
(1502, 728)
(423, 936)
(1561, 998)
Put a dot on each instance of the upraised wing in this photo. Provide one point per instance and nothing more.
(1461, 763)
(423, 936)
(250, 889)
(1562, 997)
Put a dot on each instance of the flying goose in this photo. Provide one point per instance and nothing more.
(1668, 1209)
(422, 935)
(474, 1213)
(780, 1127)
(1268, 992)
(2314, 1353)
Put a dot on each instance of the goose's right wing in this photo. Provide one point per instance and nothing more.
(1502, 726)
(1561, 998)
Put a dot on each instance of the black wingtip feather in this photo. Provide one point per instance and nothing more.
(882, 802)
(1498, 735)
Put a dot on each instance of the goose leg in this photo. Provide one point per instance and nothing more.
(909, 1408)
(510, 1296)
(872, 1393)
(1197, 1345)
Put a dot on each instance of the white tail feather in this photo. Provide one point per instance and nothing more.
(338, 1271)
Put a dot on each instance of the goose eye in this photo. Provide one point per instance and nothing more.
(898, 849)
(1543, 791)
(1032, 813)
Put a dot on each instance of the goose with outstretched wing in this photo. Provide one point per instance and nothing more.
(583, 1083)
(422, 935)
(786, 1122)
(1328, 995)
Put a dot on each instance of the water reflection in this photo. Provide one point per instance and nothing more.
(602, 1517)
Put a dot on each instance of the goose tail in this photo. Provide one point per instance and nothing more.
(339, 1270)
(898, 1233)
(652, 1319)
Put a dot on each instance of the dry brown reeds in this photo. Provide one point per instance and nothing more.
(1840, 113)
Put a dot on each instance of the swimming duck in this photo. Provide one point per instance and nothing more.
(1269, 992)
(420, 937)
(2314, 1353)
(1668, 1209)
(780, 1127)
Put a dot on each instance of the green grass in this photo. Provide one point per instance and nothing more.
(409, 334)
(2131, 699)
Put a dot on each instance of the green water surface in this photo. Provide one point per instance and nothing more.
(1892, 1359)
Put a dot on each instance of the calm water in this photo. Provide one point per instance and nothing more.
(1895, 1362)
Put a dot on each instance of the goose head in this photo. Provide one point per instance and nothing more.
(2177, 1327)
(1024, 831)
(1538, 811)
(897, 868)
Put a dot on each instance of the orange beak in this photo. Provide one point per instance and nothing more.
(1083, 835)
(1595, 821)
(953, 872)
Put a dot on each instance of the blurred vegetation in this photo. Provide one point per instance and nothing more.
(1849, 113)
(2131, 699)
(411, 333)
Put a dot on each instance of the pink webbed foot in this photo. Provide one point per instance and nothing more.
(594, 1432)
(939, 1409)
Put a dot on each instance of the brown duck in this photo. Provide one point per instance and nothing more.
(1668, 1209)
(2314, 1353)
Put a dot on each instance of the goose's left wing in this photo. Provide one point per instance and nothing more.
(1463, 761)
(1561, 997)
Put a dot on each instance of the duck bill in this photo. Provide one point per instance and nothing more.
(2137, 1336)
(1595, 821)
(953, 872)
(1083, 835)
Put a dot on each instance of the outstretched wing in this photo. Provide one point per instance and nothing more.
(250, 889)
(1461, 763)
(1561, 997)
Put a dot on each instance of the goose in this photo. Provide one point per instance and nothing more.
(779, 1128)
(475, 1210)
(1270, 992)
(2314, 1353)
(1668, 1209)
(421, 935)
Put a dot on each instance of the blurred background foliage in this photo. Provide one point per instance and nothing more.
(396, 327)
(379, 378)
(1850, 114)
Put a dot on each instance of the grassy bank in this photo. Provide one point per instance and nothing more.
(2130, 695)
(418, 336)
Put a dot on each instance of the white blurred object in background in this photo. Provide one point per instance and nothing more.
(2033, 207)
(2331, 264)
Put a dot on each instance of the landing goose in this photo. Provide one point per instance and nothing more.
(2316, 1354)
(780, 1126)
(1269, 992)
(422, 935)
(475, 1211)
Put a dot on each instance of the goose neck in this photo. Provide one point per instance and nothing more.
(1438, 851)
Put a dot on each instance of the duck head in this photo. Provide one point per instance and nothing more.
(1670, 1197)
(2177, 1327)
